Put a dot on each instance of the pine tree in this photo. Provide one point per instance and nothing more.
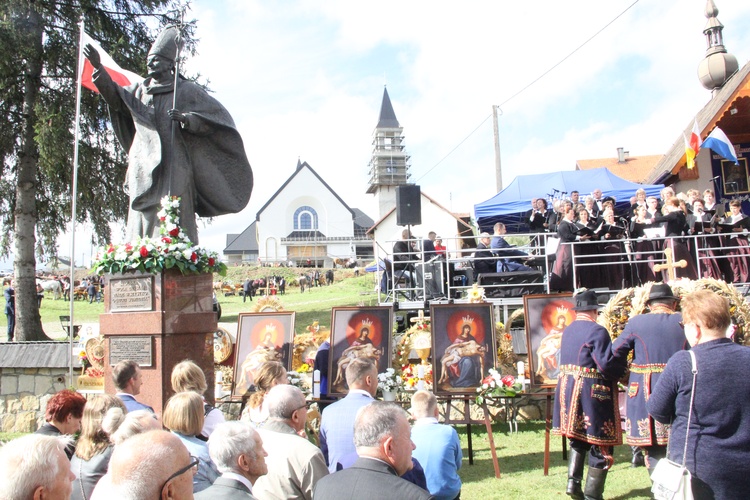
(38, 63)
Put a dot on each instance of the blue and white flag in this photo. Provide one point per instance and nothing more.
(718, 142)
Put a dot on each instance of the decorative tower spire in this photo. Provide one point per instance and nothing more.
(389, 166)
(718, 65)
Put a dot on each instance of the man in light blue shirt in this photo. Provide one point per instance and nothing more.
(438, 447)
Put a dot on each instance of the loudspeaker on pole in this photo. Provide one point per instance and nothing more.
(408, 205)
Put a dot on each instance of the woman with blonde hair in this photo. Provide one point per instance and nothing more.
(272, 373)
(102, 415)
(183, 415)
(188, 376)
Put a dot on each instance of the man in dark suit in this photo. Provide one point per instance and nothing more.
(428, 246)
(585, 408)
(652, 338)
(128, 380)
(337, 421)
(504, 250)
(383, 439)
(237, 450)
(484, 261)
(10, 310)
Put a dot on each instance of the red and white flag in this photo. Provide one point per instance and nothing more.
(120, 76)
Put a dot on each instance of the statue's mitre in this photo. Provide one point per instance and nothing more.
(165, 44)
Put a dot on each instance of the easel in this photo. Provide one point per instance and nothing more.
(466, 419)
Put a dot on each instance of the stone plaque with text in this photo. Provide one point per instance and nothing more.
(132, 294)
(133, 348)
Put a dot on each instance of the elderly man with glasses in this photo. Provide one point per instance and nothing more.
(154, 464)
(294, 464)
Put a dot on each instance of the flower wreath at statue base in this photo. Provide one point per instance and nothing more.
(171, 250)
(632, 302)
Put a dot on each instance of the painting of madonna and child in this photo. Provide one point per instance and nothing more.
(261, 337)
(358, 332)
(546, 318)
(463, 337)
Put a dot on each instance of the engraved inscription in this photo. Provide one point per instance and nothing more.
(132, 294)
(136, 349)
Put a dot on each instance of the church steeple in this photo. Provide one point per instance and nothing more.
(718, 65)
(389, 166)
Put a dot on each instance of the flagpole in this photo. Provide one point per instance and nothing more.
(74, 196)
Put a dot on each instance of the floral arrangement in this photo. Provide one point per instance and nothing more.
(410, 376)
(87, 368)
(632, 301)
(495, 385)
(418, 333)
(153, 255)
(475, 294)
(389, 381)
(297, 380)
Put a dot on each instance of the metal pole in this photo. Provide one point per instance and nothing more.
(73, 209)
(498, 169)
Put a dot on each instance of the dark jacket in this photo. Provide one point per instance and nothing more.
(719, 438)
(652, 338)
(367, 478)
(586, 394)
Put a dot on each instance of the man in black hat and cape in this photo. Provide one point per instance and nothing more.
(653, 338)
(585, 408)
(180, 142)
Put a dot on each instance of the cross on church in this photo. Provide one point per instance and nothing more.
(670, 266)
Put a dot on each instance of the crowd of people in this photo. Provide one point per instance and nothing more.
(123, 451)
(617, 248)
(688, 412)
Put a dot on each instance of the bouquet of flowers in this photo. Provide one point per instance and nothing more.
(496, 385)
(153, 255)
(296, 379)
(389, 381)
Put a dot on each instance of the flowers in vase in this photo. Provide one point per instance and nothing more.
(495, 385)
(389, 381)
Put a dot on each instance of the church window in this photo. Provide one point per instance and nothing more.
(305, 219)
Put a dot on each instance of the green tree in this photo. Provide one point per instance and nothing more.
(38, 63)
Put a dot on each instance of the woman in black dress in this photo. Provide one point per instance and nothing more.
(675, 224)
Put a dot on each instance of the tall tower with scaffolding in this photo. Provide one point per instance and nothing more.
(389, 166)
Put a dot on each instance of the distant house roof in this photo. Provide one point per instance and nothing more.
(299, 168)
(362, 222)
(36, 355)
(633, 169)
(246, 241)
(735, 91)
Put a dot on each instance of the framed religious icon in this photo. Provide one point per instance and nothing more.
(546, 318)
(735, 177)
(261, 337)
(358, 332)
(464, 347)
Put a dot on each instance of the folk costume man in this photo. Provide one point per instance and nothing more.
(653, 338)
(586, 409)
(180, 142)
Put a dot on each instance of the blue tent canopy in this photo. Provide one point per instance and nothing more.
(511, 204)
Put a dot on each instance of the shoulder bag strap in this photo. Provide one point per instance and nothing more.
(690, 410)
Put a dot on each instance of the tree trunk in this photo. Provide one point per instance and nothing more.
(28, 320)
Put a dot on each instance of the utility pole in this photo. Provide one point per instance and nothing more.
(498, 169)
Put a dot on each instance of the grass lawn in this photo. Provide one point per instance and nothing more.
(314, 304)
(521, 459)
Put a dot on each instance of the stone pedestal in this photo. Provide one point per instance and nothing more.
(158, 320)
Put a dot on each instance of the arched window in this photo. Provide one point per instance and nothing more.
(305, 219)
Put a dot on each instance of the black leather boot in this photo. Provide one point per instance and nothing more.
(575, 474)
(595, 484)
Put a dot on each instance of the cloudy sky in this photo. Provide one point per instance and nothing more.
(304, 79)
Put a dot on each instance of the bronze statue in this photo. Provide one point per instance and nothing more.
(181, 143)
